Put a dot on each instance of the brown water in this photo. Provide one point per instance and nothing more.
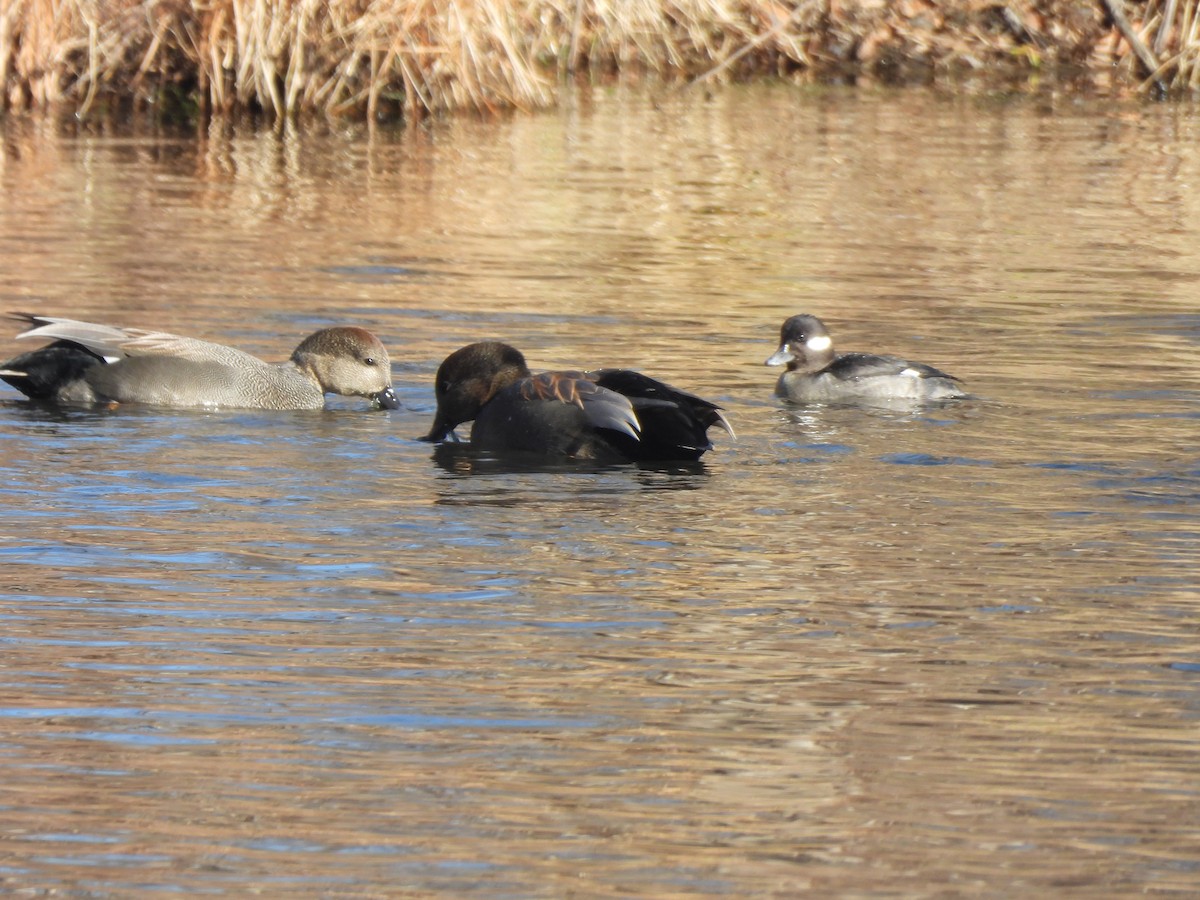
(855, 653)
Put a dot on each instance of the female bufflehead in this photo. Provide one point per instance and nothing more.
(815, 374)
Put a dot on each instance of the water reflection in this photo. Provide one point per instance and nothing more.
(463, 460)
(308, 652)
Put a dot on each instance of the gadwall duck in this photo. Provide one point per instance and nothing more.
(89, 363)
(815, 374)
(610, 415)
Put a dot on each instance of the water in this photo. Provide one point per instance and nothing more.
(887, 652)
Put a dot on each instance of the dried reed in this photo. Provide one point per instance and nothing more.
(409, 57)
(1175, 51)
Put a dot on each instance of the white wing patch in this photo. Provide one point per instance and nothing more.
(911, 373)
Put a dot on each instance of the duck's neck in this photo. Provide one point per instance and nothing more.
(811, 361)
(302, 364)
(504, 376)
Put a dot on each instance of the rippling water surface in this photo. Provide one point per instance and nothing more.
(938, 652)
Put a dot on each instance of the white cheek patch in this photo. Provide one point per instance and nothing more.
(819, 343)
(910, 373)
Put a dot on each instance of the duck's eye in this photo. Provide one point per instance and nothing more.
(370, 361)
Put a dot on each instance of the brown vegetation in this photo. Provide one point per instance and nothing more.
(391, 57)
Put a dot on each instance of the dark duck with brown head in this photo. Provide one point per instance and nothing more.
(609, 415)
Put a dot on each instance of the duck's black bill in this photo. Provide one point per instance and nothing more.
(437, 433)
(387, 399)
(441, 432)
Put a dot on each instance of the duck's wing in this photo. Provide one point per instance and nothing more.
(103, 340)
(674, 423)
(161, 343)
(604, 408)
(857, 366)
(646, 393)
(112, 343)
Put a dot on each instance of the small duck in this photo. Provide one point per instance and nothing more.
(88, 363)
(610, 415)
(816, 375)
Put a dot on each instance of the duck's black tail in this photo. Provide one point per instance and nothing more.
(51, 373)
(674, 423)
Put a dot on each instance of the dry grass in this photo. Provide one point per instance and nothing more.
(1173, 30)
(390, 57)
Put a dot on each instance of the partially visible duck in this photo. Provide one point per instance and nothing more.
(88, 363)
(815, 374)
(607, 415)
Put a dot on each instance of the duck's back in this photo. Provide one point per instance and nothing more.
(553, 414)
(867, 377)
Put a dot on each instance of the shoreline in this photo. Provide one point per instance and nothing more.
(411, 58)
